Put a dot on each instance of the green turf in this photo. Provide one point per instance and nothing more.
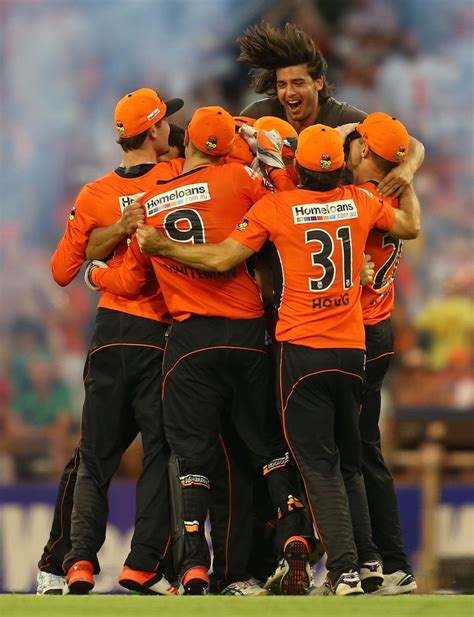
(214, 606)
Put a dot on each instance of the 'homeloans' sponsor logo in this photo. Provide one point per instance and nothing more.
(182, 196)
(126, 200)
(332, 211)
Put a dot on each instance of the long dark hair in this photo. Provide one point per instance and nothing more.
(266, 49)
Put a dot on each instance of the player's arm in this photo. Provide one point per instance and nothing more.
(402, 175)
(219, 257)
(128, 279)
(407, 217)
(69, 255)
(103, 240)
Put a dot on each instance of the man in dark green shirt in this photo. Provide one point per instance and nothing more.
(288, 67)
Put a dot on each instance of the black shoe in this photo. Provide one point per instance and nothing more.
(196, 587)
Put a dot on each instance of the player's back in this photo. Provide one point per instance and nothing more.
(100, 203)
(320, 238)
(201, 206)
(378, 297)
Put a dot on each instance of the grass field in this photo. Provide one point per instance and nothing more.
(214, 606)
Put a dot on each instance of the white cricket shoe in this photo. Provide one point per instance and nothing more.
(50, 584)
(251, 587)
(371, 576)
(397, 583)
(347, 584)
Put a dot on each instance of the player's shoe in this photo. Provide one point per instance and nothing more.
(347, 584)
(293, 576)
(147, 583)
(397, 583)
(196, 582)
(80, 577)
(371, 576)
(50, 584)
(251, 587)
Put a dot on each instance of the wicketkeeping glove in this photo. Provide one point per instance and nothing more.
(266, 145)
(91, 266)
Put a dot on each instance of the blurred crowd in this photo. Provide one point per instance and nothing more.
(410, 58)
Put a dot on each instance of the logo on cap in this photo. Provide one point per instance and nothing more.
(401, 152)
(325, 161)
(120, 127)
(154, 113)
(211, 143)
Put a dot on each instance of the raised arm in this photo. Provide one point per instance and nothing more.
(219, 257)
(402, 176)
(407, 217)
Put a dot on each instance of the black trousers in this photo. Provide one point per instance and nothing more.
(122, 378)
(320, 393)
(215, 366)
(381, 496)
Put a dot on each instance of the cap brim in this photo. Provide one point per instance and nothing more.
(172, 106)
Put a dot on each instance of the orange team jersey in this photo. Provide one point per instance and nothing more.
(320, 239)
(202, 205)
(100, 204)
(378, 297)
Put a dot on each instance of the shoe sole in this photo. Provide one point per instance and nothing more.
(50, 592)
(395, 590)
(132, 585)
(296, 581)
(370, 584)
(80, 588)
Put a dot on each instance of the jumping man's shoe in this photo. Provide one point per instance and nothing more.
(293, 576)
(371, 576)
(80, 577)
(50, 584)
(251, 587)
(147, 583)
(397, 583)
(348, 584)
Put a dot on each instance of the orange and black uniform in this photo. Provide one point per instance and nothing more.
(122, 379)
(320, 239)
(377, 305)
(215, 360)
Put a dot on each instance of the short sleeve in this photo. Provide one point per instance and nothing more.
(258, 225)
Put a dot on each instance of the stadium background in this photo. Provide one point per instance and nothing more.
(64, 63)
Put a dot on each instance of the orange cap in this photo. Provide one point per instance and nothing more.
(239, 120)
(241, 152)
(139, 110)
(212, 130)
(286, 131)
(386, 136)
(320, 149)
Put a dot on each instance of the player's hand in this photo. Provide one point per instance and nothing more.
(396, 181)
(91, 266)
(266, 145)
(346, 129)
(368, 270)
(150, 240)
(132, 215)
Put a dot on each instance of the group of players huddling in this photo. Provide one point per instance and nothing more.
(234, 334)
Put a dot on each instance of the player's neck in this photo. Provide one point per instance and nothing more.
(194, 160)
(138, 157)
(366, 173)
